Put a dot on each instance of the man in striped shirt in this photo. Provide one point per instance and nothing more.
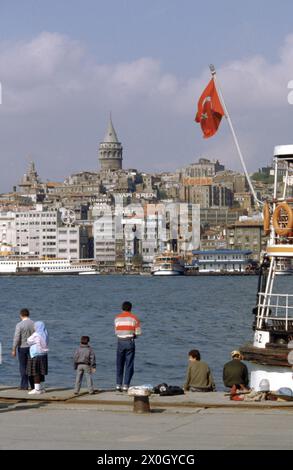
(127, 328)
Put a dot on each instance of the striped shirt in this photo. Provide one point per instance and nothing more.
(127, 325)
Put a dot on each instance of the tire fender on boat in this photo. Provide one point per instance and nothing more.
(283, 231)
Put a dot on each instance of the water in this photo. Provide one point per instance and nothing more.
(212, 314)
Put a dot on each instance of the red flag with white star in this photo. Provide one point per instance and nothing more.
(209, 110)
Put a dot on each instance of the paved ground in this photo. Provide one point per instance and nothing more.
(109, 423)
(54, 426)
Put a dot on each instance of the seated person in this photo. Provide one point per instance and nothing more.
(235, 373)
(199, 377)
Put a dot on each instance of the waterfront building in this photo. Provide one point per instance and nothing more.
(36, 232)
(7, 233)
(104, 239)
(213, 239)
(152, 244)
(222, 260)
(247, 235)
(45, 232)
(68, 242)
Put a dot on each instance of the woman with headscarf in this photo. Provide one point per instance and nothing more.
(38, 361)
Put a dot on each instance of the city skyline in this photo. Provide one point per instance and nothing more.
(42, 178)
(63, 70)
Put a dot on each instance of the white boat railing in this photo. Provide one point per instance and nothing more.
(275, 311)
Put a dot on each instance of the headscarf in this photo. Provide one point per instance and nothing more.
(41, 330)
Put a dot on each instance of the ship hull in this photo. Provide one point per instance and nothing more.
(271, 355)
(167, 273)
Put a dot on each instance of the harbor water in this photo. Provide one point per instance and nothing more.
(212, 314)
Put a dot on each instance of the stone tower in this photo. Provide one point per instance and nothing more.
(110, 150)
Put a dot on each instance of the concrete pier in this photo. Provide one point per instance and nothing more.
(58, 419)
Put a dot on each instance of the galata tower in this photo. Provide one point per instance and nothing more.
(110, 150)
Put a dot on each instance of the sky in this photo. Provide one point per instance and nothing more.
(65, 65)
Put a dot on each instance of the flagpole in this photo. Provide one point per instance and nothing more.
(213, 72)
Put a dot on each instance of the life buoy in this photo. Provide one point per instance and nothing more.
(266, 218)
(280, 230)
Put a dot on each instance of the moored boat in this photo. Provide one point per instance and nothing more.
(19, 265)
(272, 346)
(168, 264)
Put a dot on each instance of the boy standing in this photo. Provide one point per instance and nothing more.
(84, 363)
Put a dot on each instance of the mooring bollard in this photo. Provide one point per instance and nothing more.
(141, 404)
(140, 396)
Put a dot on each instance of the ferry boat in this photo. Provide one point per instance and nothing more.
(272, 348)
(17, 265)
(168, 264)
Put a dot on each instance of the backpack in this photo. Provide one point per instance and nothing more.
(165, 390)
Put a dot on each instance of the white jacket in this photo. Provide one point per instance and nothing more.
(40, 347)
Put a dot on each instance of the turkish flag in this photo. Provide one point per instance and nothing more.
(209, 110)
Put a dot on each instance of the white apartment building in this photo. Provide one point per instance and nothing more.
(152, 242)
(36, 232)
(68, 242)
(7, 232)
(104, 238)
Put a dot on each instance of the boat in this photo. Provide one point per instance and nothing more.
(168, 264)
(20, 265)
(271, 351)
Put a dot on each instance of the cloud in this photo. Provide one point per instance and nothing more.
(57, 98)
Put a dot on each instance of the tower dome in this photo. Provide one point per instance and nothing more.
(110, 150)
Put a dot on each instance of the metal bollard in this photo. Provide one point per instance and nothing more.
(141, 404)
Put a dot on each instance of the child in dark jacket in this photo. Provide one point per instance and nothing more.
(84, 363)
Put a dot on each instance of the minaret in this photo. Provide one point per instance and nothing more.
(110, 150)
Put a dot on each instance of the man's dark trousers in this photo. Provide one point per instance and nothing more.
(125, 361)
(23, 355)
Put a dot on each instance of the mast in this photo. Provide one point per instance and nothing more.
(213, 72)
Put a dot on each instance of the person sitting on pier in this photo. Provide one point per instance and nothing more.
(235, 373)
(199, 377)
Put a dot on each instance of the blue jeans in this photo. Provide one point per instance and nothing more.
(125, 361)
(23, 355)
